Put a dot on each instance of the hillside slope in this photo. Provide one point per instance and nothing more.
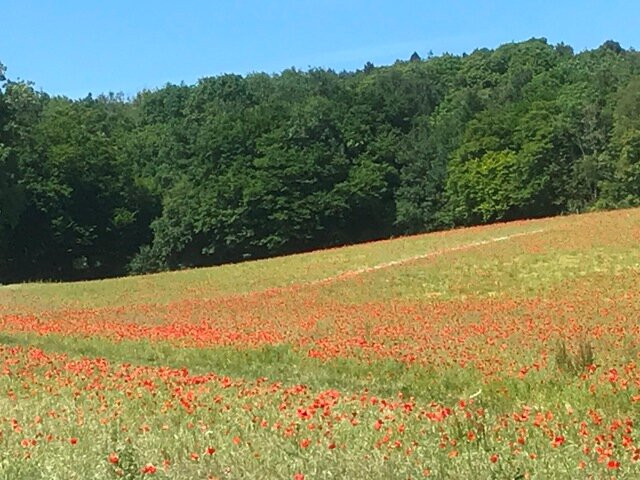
(505, 351)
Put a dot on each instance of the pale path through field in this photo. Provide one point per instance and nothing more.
(402, 261)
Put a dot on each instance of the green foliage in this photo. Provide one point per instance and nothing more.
(85, 210)
(246, 167)
(487, 188)
(574, 363)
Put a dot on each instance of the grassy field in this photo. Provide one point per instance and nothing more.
(509, 351)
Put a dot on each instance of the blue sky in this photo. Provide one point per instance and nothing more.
(72, 47)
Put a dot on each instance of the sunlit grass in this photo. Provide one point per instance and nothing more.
(468, 362)
(247, 276)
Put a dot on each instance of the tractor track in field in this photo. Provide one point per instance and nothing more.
(393, 263)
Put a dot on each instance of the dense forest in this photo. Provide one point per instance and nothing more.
(238, 167)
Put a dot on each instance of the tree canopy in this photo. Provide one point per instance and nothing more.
(240, 167)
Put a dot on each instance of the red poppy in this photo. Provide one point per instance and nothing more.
(613, 465)
(149, 468)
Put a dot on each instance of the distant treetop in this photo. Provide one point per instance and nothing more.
(238, 167)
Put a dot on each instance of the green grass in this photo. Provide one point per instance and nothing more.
(282, 363)
(243, 277)
(574, 281)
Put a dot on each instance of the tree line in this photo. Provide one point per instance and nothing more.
(235, 167)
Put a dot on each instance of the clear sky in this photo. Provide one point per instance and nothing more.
(73, 47)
